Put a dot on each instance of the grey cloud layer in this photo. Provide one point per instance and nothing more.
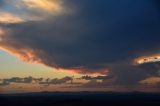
(21, 80)
(58, 81)
(87, 77)
(30, 80)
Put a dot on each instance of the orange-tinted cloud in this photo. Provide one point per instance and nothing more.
(148, 59)
(30, 10)
(151, 81)
(7, 18)
(85, 70)
(26, 55)
(44, 5)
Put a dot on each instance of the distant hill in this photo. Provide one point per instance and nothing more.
(80, 99)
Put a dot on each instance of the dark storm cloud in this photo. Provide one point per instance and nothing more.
(157, 3)
(130, 75)
(93, 36)
(1, 2)
(124, 74)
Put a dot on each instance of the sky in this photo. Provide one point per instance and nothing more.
(79, 45)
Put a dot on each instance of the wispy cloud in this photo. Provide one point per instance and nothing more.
(9, 18)
(148, 59)
(16, 11)
(50, 6)
(151, 81)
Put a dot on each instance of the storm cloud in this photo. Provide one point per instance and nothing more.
(92, 38)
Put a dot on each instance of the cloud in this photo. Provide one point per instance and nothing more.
(99, 36)
(151, 81)
(148, 59)
(58, 81)
(95, 83)
(26, 80)
(44, 5)
(87, 77)
(4, 83)
(13, 11)
(19, 80)
(9, 18)
(41, 81)
(127, 74)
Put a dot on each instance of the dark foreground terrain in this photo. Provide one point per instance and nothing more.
(81, 99)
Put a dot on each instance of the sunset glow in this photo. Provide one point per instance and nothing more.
(148, 59)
